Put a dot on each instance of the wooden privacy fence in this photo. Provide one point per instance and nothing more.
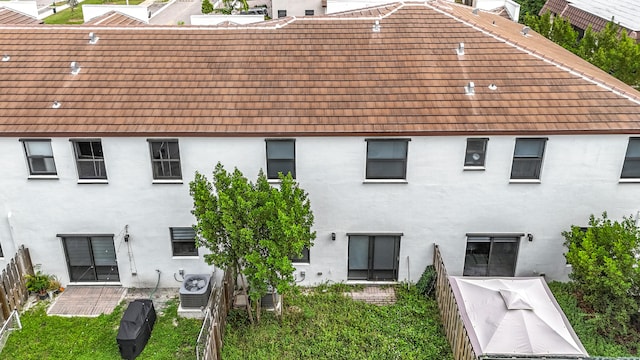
(449, 313)
(209, 345)
(13, 292)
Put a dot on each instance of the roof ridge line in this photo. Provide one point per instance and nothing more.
(533, 53)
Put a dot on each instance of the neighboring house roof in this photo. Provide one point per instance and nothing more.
(12, 17)
(307, 77)
(114, 18)
(597, 13)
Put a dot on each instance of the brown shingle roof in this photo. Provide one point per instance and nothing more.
(316, 76)
(11, 17)
(114, 18)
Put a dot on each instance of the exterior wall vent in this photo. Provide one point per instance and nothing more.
(93, 38)
(460, 49)
(470, 89)
(376, 26)
(525, 30)
(75, 68)
(56, 104)
(6, 58)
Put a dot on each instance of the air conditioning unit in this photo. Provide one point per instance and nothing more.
(195, 290)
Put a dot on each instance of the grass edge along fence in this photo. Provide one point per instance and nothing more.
(209, 343)
(449, 313)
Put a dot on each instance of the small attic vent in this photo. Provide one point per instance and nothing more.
(56, 104)
(460, 49)
(470, 89)
(93, 38)
(75, 68)
(376, 26)
(525, 30)
(475, 11)
(6, 58)
(493, 86)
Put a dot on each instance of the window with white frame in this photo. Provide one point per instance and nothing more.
(387, 159)
(39, 156)
(475, 153)
(527, 158)
(631, 166)
(89, 159)
(165, 159)
(281, 158)
(183, 241)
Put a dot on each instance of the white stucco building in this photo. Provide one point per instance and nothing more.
(401, 138)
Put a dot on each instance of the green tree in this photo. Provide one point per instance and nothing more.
(254, 229)
(228, 6)
(617, 54)
(531, 7)
(540, 24)
(207, 7)
(72, 4)
(587, 45)
(563, 34)
(605, 270)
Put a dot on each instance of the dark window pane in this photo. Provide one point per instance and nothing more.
(165, 159)
(308, 12)
(304, 258)
(282, 13)
(631, 166)
(475, 152)
(40, 157)
(276, 166)
(529, 147)
(84, 150)
(525, 169)
(183, 241)
(385, 169)
(386, 149)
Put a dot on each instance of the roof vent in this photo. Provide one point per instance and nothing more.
(93, 38)
(493, 86)
(75, 68)
(56, 104)
(525, 30)
(475, 11)
(376, 26)
(6, 57)
(470, 89)
(493, 23)
(460, 49)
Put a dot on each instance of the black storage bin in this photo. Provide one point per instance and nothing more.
(135, 328)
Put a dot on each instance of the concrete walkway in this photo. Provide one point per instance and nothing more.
(375, 295)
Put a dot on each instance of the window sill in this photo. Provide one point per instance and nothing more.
(629, 181)
(186, 257)
(300, 263)
(524, 181)
(43, 177)
(385, 181)
(367, 282)
(274, 181)
(176, 181)
(473, 168)
(95, 283)
(93, 181)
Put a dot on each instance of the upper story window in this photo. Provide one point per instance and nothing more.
(89, 159)
(281, 158)
(40, 157)
(282, 13)
(387, 159)
(527, 158)
(475, 153)
(631, 166)
(183, 241)
(165, 159)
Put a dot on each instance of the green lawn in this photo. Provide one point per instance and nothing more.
(78, 338)
(324, 324)
(69, 17)
(594, 343)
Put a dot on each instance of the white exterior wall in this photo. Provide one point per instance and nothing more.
(440, 203)
(296, 8)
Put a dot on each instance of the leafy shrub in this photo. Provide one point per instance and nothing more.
(427, 282)
(207, 7)
(606, 271)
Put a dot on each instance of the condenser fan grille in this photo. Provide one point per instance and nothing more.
(195, 290)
